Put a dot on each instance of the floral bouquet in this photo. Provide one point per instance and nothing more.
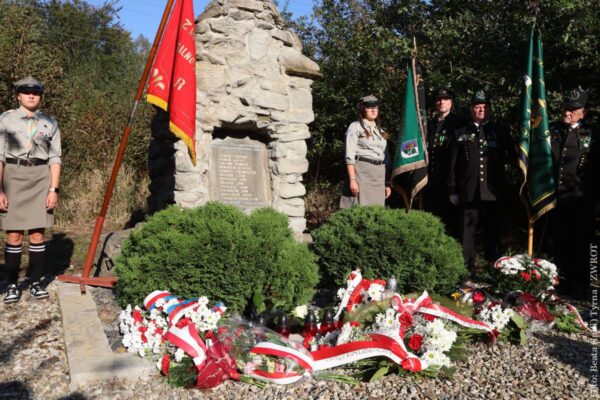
(262, 354)
(175, 333)
(524, 274)
(411, 334)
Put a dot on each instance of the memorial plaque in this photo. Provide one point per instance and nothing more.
(239, 172)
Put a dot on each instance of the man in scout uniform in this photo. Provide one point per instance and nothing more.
(440, 134)
(477, 177)
(576, 166)
(30, 152)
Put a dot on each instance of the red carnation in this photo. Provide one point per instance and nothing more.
(525, 276)
(143, 330)
(406, 319)
(478, 296)
(166, 362)
(137, 316)
(415, 342)
(355, 324)
(306, 342)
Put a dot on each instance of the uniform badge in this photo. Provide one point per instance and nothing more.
(586, 141)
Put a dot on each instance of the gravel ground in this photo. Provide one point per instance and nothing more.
(552, 365)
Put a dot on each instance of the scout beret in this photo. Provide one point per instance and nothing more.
(577, 98)
(29, 84)
(479, 97)
(444, 93)
(368, 101)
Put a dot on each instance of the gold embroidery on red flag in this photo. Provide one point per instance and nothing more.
(172, 86)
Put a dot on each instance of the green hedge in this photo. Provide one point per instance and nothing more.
(217, 251)
(383, 242)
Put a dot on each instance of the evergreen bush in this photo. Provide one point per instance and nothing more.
(219, 252)
(384, 242)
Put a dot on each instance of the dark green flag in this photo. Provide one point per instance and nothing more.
(409, 174)
(535, 157)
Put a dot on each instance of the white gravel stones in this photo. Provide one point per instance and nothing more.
(34, 366)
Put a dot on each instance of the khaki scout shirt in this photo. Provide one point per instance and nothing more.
(14, 143)
(358, 145)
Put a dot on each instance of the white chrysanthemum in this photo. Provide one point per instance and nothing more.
(300, 311)
(203, 301)
(547, 268)
(496, 317)
(340, 293)
(436, 358)
(513, 265)
(159, 303)
(345, 333)
(375, 292)
(179, 353)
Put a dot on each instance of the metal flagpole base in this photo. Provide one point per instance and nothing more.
(104, 281)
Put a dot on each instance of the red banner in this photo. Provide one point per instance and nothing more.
(172, 85)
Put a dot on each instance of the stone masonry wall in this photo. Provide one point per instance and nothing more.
(251, 75)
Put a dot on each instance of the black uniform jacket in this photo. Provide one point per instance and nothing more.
(478, 157)
(440, 136)
(576, 162)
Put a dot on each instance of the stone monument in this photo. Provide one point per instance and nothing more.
(253, 105)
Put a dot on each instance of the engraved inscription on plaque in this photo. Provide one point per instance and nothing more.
(239, 172)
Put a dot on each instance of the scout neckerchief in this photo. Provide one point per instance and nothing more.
(373, 128)
(31, 131)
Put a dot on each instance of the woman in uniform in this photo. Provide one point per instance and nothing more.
(30, 154)
(367, 158)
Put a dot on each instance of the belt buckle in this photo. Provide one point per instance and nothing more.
(30, 162)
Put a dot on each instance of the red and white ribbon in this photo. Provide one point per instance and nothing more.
(187, 339)
(179, 311)
(153, 297)
(579, 320)
(425, 305)
(380, 345)
(354, 280)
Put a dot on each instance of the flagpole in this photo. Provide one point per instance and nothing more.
(87, 267)
(530, 241)
(534, 9)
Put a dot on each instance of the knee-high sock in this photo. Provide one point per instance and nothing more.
(12, 257)
(37, 255)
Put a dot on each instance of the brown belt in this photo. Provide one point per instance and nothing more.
(26, 162)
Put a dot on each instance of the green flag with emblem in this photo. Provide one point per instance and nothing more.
(535, 157)
(409, 173)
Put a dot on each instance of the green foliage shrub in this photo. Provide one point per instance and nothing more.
(217, 251)
(384, 242)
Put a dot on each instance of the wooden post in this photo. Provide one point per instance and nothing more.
(530, 241)
(87, 267)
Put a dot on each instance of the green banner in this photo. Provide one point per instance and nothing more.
(535, 157)
(409, 174)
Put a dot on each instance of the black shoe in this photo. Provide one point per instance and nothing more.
(13, 294)
(37, 291)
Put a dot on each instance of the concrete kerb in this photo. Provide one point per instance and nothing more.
(89, 355)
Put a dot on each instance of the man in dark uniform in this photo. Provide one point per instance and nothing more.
(440, 134)
(477, 177)
(575, 155)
